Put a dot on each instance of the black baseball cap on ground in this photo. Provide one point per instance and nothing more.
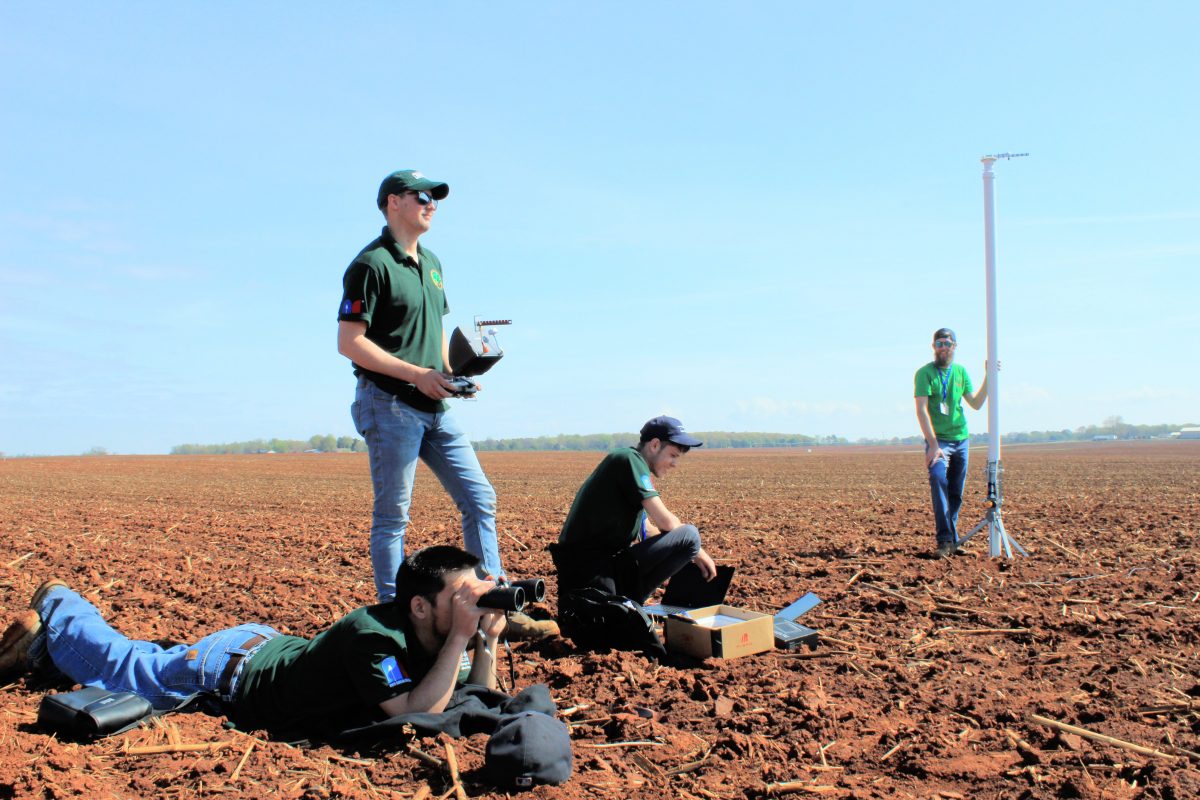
(669, 429)
(528, 749)
(944, 333)
(410, 180)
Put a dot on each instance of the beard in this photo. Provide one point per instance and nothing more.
(943, 359)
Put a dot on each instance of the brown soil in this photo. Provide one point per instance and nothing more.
(923, 685)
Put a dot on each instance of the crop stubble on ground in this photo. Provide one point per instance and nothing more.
(923, 685)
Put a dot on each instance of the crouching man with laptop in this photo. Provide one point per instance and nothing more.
(607, 548)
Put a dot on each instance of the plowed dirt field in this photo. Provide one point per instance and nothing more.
(925, 684)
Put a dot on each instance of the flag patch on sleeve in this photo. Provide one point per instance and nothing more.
(352, 306)
(646, 484)
(393, 673)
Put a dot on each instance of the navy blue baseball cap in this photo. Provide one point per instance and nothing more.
(528, 749)
(944, 333)
(410, 180)
(669, 429)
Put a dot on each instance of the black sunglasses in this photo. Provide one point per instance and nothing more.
(943, 343)
(425, 198)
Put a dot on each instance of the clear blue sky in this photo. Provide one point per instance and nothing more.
(750, 215)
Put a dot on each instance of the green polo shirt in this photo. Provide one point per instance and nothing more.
(928, 382)
(402, 301)
(607, 514)
(335, 680)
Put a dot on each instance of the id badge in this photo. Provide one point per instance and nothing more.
(945, 409)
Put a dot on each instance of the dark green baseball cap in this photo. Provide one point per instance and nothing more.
(410, 180)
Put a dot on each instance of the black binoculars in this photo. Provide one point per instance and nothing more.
(513, 596)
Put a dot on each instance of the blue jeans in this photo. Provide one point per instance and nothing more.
(947, 477)
(397, 435)
(88, 651)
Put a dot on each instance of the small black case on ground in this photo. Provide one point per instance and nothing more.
(92, 712)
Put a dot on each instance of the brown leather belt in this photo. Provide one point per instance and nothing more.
(225, 682)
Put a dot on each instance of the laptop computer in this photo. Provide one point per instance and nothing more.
(687, 589)
(789, 634)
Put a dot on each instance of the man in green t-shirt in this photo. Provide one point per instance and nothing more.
(607, 541)
(379, 661)
(939, 388)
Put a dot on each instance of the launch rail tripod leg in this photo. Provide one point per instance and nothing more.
(999, 540)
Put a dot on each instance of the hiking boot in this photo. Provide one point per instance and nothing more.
(947, 549)
(523, 626)
(16, 641)
(40, 593)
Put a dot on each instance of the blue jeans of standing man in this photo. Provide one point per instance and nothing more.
(397, 435)
(82, 646)
(947, 477)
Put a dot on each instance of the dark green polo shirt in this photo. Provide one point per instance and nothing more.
(402, 301)
(335, 680)
(607, 514)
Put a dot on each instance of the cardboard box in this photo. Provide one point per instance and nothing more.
(720, 632)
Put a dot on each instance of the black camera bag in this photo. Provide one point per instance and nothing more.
(92, 712)
(598, 620)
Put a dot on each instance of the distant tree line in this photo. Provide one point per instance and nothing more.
(610, 441)
(1113, 426)
(321, 444)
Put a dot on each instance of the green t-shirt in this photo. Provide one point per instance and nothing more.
(335, 680)
(929, 382)
(402, 301)
(607, 514)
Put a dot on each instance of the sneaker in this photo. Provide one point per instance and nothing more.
(523, 626)
(947, 549)
(16, 641)
(40, 593)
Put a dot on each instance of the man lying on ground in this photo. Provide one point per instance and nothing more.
(377, 662)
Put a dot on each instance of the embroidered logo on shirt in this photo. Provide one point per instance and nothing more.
(646, 484)
(352, 306)
(393, 673)
(436, 277)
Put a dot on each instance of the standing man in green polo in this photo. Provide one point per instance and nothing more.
(939, 388)
(390, 327)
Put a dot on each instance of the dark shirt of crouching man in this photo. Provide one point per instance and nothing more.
(399, 657)
(607, 541)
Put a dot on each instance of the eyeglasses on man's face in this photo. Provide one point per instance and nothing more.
(943, 344)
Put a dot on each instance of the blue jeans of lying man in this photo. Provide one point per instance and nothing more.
(85, 648)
